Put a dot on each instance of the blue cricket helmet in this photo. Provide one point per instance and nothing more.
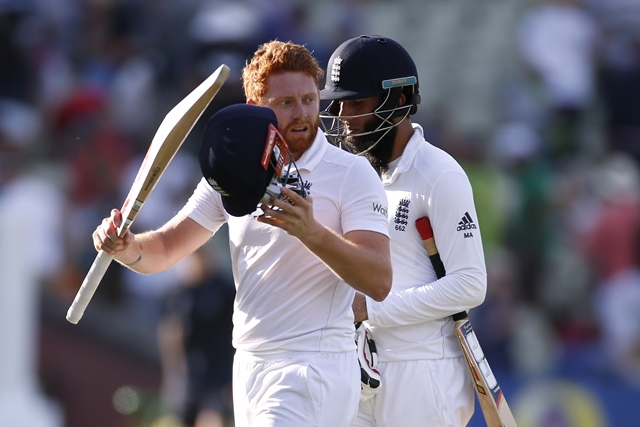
(367, 66)
(242, 154)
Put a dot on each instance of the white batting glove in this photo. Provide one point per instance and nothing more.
(368, 358)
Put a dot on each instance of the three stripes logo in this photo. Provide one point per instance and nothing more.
(466, 223)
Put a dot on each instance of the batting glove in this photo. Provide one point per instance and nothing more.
(368, 358)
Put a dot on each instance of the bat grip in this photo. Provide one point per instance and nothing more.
(89, 286)
(438, 266)
(426, 233)
(460, 316)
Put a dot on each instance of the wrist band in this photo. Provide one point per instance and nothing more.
(136, 261)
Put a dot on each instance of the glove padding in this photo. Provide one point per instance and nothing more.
(368, 359)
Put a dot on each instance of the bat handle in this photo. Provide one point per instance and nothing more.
(89, 286)
(426, 233)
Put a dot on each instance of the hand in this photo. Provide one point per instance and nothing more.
(106, 238)
(290, 212)
(359, 307)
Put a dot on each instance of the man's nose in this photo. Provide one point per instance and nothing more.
(299, 111)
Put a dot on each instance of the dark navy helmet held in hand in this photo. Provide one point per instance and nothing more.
(367, 66)
(245, 159)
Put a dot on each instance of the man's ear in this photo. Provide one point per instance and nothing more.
(403, 100)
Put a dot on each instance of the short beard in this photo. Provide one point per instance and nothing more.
(380, 155)
(299, 146)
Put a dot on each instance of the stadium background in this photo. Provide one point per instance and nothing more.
(84, 84)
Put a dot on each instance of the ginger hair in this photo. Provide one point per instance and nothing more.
(276, 57)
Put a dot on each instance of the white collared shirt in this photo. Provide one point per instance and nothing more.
(287, 299)
(414, 321)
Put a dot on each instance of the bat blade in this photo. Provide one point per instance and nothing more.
(171, 133)
(493, 403)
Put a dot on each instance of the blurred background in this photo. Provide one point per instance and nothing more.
(538, 100)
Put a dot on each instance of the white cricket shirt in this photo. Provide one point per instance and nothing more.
(287, 299)
(414, 321)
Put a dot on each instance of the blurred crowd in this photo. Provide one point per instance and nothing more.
(84, 84)
(558, 188)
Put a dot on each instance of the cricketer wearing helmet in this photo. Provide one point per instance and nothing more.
(372, 83)
(298, 254)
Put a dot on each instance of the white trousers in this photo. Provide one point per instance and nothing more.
(429, 393)
(301, 390)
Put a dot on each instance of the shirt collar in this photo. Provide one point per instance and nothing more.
(403, 163)
(312, 157)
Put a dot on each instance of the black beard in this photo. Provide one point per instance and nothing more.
(380, 155)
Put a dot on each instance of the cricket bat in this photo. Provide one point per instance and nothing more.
(171, 133)
(494, 405)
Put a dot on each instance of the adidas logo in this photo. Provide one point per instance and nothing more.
(466, 223)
